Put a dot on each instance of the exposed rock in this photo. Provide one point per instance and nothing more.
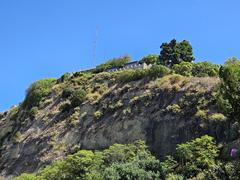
(137, 110)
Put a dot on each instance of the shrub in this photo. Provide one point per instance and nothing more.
(37, 92)
(78, 97)
(217, 117)
(131, 75)
(150, 59)
(158, 71)
(201, 114)
(68, 92)
(33, 112)
(115, 62)
(65, 77)
(132, 161)
(136, 74)
(25, 176)
(197, 155)
(74, 118)
(174, 108)
(97, 115)
(65, 108)
(100, 88)
(127, 111)
(205, 69)
(184, 68)
(103, 76)
(168, 166)
(172, 176)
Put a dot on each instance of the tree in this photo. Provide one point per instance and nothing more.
(174, 52)
(229, 91)
(197, 155)
(150, 59)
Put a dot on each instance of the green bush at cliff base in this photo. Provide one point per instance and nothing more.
(195, 159)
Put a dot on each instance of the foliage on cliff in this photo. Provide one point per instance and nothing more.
(163, 104)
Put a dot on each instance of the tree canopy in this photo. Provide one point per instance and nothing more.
(229, 91)
(175, 52)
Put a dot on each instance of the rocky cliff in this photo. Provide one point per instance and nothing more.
(164, 112)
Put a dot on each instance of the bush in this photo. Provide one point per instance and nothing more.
(68, 92)
(157, 71)
(98, 115)
(65, 77)
(115, 62)
(136, 74)
(172, 176)
(201, 114)
(33, 112)
(150, 59)
(197, 155)
(101, 77)
(38, 92)
(174, 108)
(132, 161)
(131, 75)
(26, 177)
(217, 117)
(65, 108)
(205, 69)
(78, 97)
(184, 68)
(228, 94)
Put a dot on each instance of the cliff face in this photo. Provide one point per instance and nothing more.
(164, 112)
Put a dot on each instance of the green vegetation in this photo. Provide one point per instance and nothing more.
(65, 77)
(229, 93)
(200, 69)
(184, 68)
(115, 62)
(132, 161)
(97, 115)
(150, 59)
(78, 97)
(38, 92)
(205, 69)
(176, 52)
(173, 69)
(195, 159)
(133, 75)
(197, 156)
(33, 112)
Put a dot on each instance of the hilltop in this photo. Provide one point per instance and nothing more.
(163, 105)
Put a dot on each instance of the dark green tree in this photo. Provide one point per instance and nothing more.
(229, 91)
(175, 52)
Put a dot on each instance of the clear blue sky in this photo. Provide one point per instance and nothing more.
(46, 38)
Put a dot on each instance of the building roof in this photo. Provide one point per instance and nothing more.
(131, 63)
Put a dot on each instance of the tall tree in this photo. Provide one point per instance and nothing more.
(229, 95)
(175, 52)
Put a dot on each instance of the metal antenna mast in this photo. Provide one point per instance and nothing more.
(95, 45)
